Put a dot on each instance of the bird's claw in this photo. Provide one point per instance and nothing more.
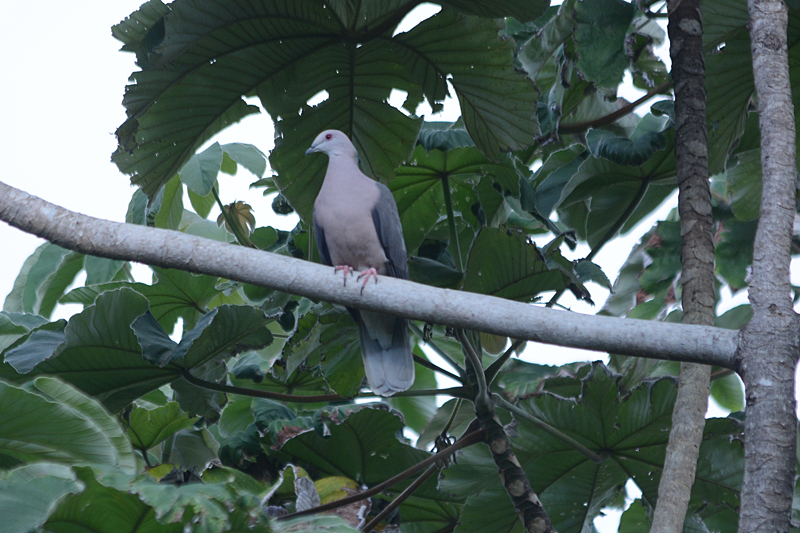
(366, 275)
(347, 270)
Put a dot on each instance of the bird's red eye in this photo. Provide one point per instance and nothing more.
(328, 137)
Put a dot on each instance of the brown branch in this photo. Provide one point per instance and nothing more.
(697, 260)
(463, 442)
(616, 115)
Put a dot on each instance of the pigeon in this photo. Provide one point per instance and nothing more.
(357, 228)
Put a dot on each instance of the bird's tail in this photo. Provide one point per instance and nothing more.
(387, 357)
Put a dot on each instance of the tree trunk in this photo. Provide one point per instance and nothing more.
(697, 260)
(769, 343)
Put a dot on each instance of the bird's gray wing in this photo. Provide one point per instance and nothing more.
(322, 244)
(390, 232)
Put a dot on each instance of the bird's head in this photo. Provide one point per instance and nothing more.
(333, 143)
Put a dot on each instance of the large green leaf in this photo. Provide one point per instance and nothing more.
(328, 337)
(44, 277)
(362, 445)
(729, 76)
(14, 326)
(628, 431)
(592, 199)
(601, 29)
(419, 184)
(100, 354)
(209, 57)
(509, 266)
(29, 494)
(45, 410)
(498, 105)
(174, 294)
(147, 427)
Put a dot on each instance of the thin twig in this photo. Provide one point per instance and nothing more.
(482, 399)
(427, 364)
(494, 368)
(400, 499)
(612, 117)
(418, 332)
(467, 440)
(219, 387)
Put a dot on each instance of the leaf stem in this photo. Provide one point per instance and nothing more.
(219, 387)
(613, 117)
(400, 498)
(494, 368)
(451, 219)
(466, 440)
(427, 364)
(482, 399)
(544, 426)
(418, 332)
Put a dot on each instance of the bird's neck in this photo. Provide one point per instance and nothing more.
(343, 170)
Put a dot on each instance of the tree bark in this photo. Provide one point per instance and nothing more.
(459, 309)
(769, 343)
(697, 260)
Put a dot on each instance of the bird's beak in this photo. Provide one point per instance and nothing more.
(311, 150)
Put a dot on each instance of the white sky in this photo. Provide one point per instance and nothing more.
(63, 82)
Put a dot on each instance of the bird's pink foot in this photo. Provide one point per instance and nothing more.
(366, 275)
(347, 270)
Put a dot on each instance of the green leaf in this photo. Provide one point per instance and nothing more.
(462, 419)
(734, 252)
(744, 185)
(604, 144)
(434, 273)
(418, 189)
(324, 524)
(202, 204)
(498, 105)
(482, 514)
(171, 211)
(44, 277)
(175, 294)
(544, 43)
(248, 156)
(103, 509)
(36, 346)
(522, 10)
(630, 431)
(362, 445)
(427, 510)
(509, 266)
(45, 410)
(147, 428)
(180, 65)
(14, 326)
(100, 269)
(519, 379)
(101, 354)
(199, 174)
(728, 392)
(600, 36)
(29, 494)
(729, 76)
(591, 201)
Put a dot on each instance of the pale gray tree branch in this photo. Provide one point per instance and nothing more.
(769, 342)
(172, 249)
